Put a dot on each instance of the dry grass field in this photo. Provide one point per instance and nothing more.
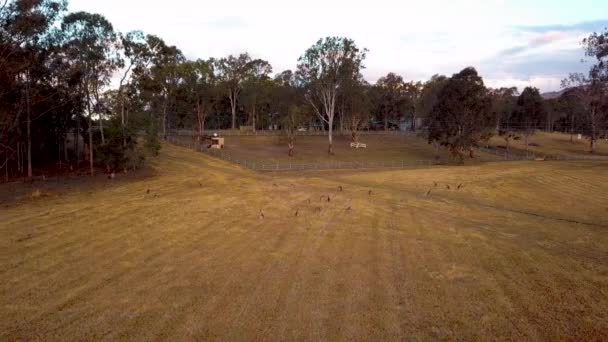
(200, 249)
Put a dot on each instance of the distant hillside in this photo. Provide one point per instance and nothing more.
(553, 94)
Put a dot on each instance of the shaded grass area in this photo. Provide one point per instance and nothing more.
(202, 249)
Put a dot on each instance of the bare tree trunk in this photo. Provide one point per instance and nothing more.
(232, 97)
(203, 119)
(437, 151)
(200, 118)
(91, 144)
(6, 165)
(571, 128)
(65, 149)
(341, 118)
(96, 96)
(103, 138)
(29, 148)
(76, 142)
(122, 103)
(290, 144)
(386, 122)
(90, 120)
(122, 119)
(199, 138)
(593, 130)
(253, 116)
(164, 120)
(18, 157)
(330, 135)
(29, 124)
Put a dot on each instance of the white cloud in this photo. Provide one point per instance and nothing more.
(414, 38)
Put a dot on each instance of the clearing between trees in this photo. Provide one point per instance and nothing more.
(409, 148)
(202, 249)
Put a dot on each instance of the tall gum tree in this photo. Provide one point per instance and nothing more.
(323, 69)
(257, 84)
(591, 92)
(232, 71)
(91, 43)
(199, 79)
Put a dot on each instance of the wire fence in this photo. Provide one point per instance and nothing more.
(513, 155)
(230, 132)
(297, 166)
(268, 166)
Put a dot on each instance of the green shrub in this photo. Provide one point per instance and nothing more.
(119, 150)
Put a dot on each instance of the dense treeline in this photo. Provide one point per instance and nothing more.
(74, 92)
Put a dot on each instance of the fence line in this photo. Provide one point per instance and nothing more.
(344, 165)
(191, 133)
(530, 155)
(294, 166)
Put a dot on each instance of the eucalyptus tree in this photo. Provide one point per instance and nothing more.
(165, 73)
(357, 112)
(504, 102)
(528, 113)
(591, 91)
(389, 98)
(157, 79)
(461, 117)
(256, 87)
(289, 104)
(27, 49)
(90, 44)
(296, 115)
(429, 96)
(137, 53)
(200, 84)
(323, 69)
(233, 71)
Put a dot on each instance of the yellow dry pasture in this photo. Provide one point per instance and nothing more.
(204, 250)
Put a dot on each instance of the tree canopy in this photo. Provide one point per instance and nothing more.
(324, 69)
(461, 118)
(78, 96)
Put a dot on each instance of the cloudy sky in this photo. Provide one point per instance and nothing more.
(510, 42)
